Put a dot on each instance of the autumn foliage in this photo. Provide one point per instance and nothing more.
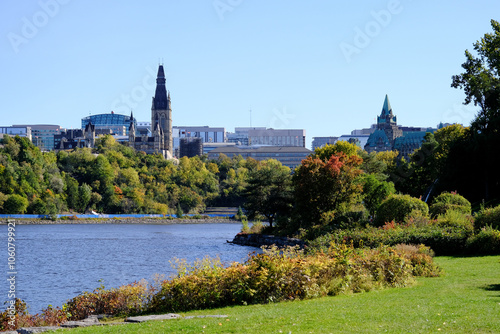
(324, 188)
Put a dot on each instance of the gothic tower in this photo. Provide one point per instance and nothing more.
(161, 113)
(388, 122)
(89, 135)
(131, 131)
(382, 139)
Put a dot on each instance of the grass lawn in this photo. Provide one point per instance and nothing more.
(466, 299)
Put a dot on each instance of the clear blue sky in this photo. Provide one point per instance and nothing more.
(322, 65)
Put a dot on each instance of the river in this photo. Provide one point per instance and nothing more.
(54, 263)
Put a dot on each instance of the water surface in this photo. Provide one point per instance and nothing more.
(57, 262)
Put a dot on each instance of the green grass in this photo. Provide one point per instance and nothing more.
(466, 299)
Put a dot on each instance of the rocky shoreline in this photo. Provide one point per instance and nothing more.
(95, 221)
(259, 240)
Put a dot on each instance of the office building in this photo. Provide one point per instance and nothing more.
(277, 137)
(42, 135)
(290, 156)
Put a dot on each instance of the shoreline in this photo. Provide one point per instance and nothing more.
(137, 221)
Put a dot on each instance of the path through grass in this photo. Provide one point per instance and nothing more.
(466, 299)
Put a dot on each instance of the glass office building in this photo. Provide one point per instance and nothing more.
(112, 121)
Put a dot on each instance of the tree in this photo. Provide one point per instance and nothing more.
(71, 192)
(324, 153)
(481, 84)
(15, 204)
(430, 165)
(85, 195)
(375, 192)
(269, 191)
(323, 189)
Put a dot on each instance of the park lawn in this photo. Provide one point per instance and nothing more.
(465, 299)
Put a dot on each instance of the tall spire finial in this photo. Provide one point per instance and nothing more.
(387, 109)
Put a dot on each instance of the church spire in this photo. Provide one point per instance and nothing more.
(387, 109)
(386, 116)
(161, 114)
(160, 99)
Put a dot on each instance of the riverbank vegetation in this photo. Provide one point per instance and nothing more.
(274, 276)
(462, 300)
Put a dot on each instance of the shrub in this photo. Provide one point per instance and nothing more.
(125, 300)
(442, 240)
(449, 201)
(245, 228)
(276, 275)
(257, 227)
(350, 219)
(488, 217)
(279, 275)
(486, 242)
(49, 317)
(399, 208)
(240, 215)
(455, 218)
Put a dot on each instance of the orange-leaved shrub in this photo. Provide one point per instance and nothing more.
(10, 321)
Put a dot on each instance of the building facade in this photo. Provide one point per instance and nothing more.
(42, 135)
(290, 156)
(319, 142)
(12, 131)
(117, 123)
(389, 136)
(240, 135)
(190, 147)
(277, 137)
(207, 135)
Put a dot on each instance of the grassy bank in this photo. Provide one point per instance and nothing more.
(466, 299)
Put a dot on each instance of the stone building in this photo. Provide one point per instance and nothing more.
(160, 140)
(390, 136)
(382, 139)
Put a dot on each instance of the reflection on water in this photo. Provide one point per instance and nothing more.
(57, 262)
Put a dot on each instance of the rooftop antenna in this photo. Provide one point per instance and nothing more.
(250, 117)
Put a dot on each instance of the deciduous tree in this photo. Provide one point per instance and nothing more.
(323, 189)
(269, 191)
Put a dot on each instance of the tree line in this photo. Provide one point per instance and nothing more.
(113, 178)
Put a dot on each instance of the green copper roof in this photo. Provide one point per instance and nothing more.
(386, 116)
(387, 109)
